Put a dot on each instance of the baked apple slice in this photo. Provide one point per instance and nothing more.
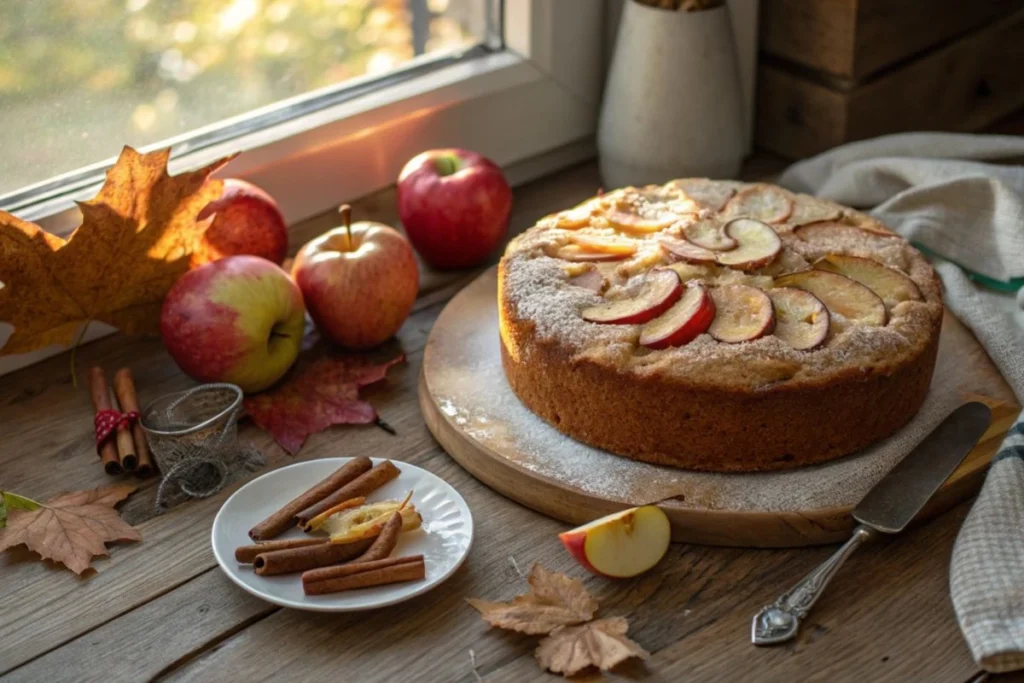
(661, 289)
(839, 233)
(801, 320)
(757, 244)
(576, 217)
(590, 279)
(840, 294)
(742, 314)
(761, 202)
(890, 284)
(705, 193)
(576, 254)
(688, 318)
(584, 247)
(812, 210)
(635, 223)
(681, 250)
(709, 235)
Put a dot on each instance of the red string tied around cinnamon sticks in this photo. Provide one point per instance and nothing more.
(108, 421)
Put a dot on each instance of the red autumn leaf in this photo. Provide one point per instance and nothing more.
(315, 395)
(72, 528)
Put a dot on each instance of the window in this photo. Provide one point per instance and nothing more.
(79, 79)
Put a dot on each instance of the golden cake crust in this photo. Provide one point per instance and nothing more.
(706, 404)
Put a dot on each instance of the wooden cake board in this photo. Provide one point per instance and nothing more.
(473, 413)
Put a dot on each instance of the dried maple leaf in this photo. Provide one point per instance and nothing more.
(71, 528)
(553, 600)
(316, 394)
(135, 240)
(601, 643)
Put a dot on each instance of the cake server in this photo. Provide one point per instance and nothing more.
(886, 509)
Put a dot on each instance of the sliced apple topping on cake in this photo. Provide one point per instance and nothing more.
(812, 210)
(589, 279)
(682, 250)
(801, 320)
(576, 217)
(583, 247)
(661, 289)
(840, 294)
(688, 318)
(742, 314)
(757, 244)
(707, 194)
(761, 202)
(709, 235)
(888, 283)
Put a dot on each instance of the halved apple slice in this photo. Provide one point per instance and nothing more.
(760, 202)
(709, 235)
(758, 244)
(681, 250)
(742, 314)
(623, 544)
(888, 283)
(801, 320)
(688, 317)
(840, 294)
(661, 289)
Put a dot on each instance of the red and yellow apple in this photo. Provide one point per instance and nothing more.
(454, 205)
(623, 544)
(359, 282)
(246, 220)
(238, 319)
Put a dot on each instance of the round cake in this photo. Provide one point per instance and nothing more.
(717, 325)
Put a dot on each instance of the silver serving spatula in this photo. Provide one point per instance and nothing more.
(887, 508)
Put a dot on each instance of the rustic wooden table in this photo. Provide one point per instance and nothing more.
(162, 609)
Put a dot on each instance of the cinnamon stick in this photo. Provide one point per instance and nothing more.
(285, 518)
(309, 557)
(362, 485)
(247, 553)
(126, 449)
(386, 540)
(373, 574)
(355, 567)
(100, 393)
(128, 399)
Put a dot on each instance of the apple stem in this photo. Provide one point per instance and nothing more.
(346, 219)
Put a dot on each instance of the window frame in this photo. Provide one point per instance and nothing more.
(306, 162)
(531, 107)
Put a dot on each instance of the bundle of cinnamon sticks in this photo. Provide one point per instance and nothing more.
(126, 449)
(331, 566)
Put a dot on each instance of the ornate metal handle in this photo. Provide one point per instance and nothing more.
(780, 621)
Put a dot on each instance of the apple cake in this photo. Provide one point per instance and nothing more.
(718, 325)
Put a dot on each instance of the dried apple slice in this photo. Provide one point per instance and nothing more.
(661, 289)
(709, 235)
(801, 320)
(681, 250)
(757, 244)
(840, 294)
(890, 284)
(761, 202)
(742, 314)
(688, 318)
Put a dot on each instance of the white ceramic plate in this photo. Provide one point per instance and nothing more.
(444, 539)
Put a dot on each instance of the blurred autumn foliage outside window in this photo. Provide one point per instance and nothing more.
(81, 78)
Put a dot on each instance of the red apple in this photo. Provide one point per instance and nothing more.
(623, 544)
(246, 220)
(238, 319)
(454, 205)
(359, 282)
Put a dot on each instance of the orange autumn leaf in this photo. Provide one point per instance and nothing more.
(136, 238)
(554, 600)
(71, 528)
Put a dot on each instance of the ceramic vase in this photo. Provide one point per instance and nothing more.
(672, 105)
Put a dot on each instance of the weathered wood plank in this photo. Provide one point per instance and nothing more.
(856, 38)
(886, 617)
(964, 86)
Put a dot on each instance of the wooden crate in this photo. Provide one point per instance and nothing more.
(964, 85)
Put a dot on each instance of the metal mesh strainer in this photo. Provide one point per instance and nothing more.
(194, 438)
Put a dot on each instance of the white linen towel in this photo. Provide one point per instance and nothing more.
(960, 198)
